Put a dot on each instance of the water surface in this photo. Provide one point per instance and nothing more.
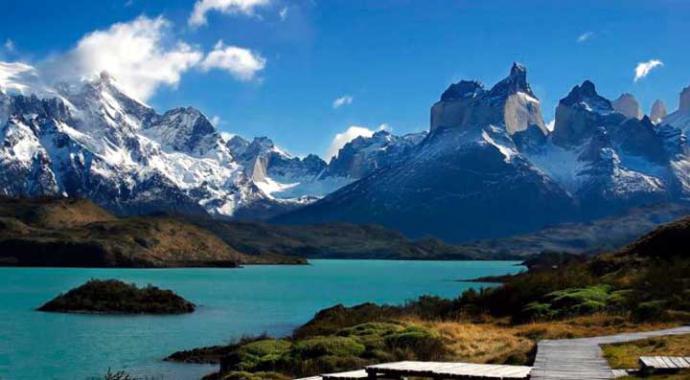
(232, 303)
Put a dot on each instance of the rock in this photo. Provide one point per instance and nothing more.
(628, 106)
(658, 111)
(684, 104)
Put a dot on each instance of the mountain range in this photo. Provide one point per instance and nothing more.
(489, 165)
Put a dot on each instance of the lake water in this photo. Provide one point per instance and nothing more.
(232, 303)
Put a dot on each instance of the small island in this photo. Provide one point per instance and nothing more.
(117, 297)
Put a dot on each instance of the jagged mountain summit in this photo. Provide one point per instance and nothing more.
(92, 140)
(489, 167)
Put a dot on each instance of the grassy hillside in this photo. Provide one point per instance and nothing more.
(594, 237)
(645, 285)
(333, 241)
(67, 232)
(376, 242)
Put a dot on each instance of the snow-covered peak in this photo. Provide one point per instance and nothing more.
(463, 89)
(187, 130)
(514, 83)
(237, 145)
(585, 96)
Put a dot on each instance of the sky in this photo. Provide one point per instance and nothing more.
(314, 73)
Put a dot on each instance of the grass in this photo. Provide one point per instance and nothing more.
(626, 355)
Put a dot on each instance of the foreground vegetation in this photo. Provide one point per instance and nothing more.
(626, 355)
(643, 286)
(113, 296)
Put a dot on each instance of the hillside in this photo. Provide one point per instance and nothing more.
(67, 232)
(640, 287)
(334, 241)
(597, 236)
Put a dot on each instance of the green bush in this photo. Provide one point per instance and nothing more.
(423, 343)
(650, 310)
(328, 345)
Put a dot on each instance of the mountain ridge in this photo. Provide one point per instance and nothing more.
(489, 167)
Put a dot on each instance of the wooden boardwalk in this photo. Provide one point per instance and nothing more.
(665, 362)
(582, 359)
(563, 359)
(445, 370)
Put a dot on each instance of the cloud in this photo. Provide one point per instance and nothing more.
(139, 54)
(14, 76)
(9, 45)
(584, 37)
(644, 68)
(201, 7)
(215, 120)
(351, 133)
(343, 101)
(241, 63)
(283, 14)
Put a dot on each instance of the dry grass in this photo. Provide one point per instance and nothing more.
(626, 355)
(496, 341)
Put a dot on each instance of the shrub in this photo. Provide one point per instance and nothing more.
(328, 345)
(423, 343)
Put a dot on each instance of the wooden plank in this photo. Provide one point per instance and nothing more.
(451, 370)
(350, 375)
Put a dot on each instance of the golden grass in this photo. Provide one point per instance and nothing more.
(496, 341)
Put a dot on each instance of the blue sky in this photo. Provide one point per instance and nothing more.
(391, 58)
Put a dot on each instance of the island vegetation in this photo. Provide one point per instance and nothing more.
(117, 297)
(642, 286)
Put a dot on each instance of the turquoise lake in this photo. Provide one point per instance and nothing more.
(232, 303)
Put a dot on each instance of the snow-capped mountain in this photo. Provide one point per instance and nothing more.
(489, 166)
(283, 176)
(92, 140)
(363, 155)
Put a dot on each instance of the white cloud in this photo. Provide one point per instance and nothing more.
(644, 68)
(139, 54)
(9, 45)
(201, 7)
(283, 14)
(343, 101)
(584, 37)
(351, 133)
(14, 76)
(241, 63)
(215, 120)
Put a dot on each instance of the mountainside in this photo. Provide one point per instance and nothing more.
(77, 233)
(93, 141)
(489, 167)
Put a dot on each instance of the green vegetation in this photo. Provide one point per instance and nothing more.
(113, 296)
(645, 285)
(626, 355)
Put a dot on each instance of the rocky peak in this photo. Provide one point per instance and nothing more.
(628, 106)
(586, 95)
(237, 145)
(684, 104)
(514, 83)
(658, 111)
(462, 89)
(580, 113)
